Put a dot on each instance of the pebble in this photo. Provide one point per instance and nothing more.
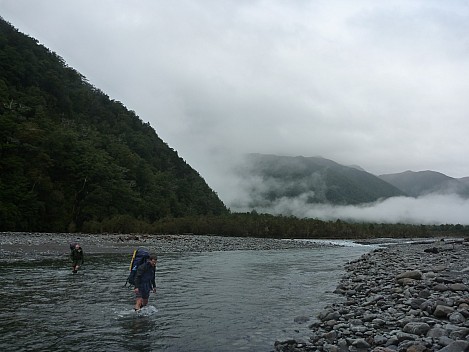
(403, 298)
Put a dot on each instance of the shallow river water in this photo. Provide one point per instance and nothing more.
(214, 301)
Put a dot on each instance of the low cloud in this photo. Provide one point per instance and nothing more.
(242, 191)
(428, 210)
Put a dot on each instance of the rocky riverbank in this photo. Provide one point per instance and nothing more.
(406, 298)
(21, 245)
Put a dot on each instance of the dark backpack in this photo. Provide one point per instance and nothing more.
(139, 257)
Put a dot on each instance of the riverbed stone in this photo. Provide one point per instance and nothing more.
(360, 343)
(418, 347)
(441, 287)
(436, 332)
(456, 346)
(329, 314)
(456, 318)
(411, 274)
(458, 287)
(416, 328)
(459, 333)
(442, 311)
(405, 300)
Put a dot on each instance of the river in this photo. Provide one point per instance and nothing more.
(214, 301)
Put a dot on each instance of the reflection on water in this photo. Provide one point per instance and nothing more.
(219, 301)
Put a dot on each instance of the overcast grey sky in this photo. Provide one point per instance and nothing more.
(380, 84)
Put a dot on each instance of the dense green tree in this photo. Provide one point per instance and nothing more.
(70, 157)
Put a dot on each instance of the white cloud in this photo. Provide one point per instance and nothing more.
(429, 210)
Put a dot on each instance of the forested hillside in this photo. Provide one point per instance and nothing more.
(72, 159)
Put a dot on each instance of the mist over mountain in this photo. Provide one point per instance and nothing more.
(464, 180)
(422, 183)
(270, 178)
(315, 187)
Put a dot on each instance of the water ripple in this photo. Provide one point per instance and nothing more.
(218, 301)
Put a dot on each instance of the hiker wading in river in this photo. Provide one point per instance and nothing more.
(145, 282)
(77, 258)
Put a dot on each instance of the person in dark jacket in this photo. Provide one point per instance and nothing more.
(145, 282)
(77, 258)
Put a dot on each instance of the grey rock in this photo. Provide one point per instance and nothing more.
(436, 332)
(459, 334)
(441, 287)
(417, 302)
(416, 347)
(411, 274)
(416, 328)
(330, 348)
(402, 336)
(442, 311)
(378, 322)
(379, 339)
(356, 321)
(425, 293)
(445, 341)
(405, 281)
(328, 314)
(456, 346)
(457, 318)
(393, 340)
(360, 343)
(330, 336)
(369, 317)
(458, 287)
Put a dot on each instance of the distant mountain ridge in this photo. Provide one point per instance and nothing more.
(421, 183)
(314, 179)
(268, 179)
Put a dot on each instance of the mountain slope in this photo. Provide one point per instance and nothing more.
(70, 157)
(314, 179)
(464, 180)
(425, 182)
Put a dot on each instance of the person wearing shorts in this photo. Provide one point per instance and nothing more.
(145, 282)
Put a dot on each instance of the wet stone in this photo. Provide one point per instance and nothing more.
(400, 298)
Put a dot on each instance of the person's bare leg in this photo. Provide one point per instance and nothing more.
(144, 302)
(138, 303)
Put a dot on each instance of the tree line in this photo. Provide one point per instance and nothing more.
(253, 224)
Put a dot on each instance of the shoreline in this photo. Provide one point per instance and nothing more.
(36, 245)
(403, 297)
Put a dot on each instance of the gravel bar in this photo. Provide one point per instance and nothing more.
(405, 297)
(33, 245)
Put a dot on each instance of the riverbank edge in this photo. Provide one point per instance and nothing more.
(410, 297)
(35, 245)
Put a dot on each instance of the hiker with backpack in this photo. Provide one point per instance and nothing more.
(145, 282)
(76, 256)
